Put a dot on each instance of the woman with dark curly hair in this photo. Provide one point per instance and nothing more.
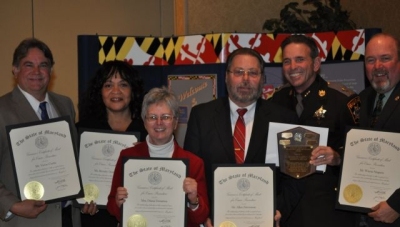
(113, 97)
(112, 101)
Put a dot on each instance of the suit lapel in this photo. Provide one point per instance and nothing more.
(222, 122)
(389, 109)
(366, 108)
(259, 131)
(24, 109)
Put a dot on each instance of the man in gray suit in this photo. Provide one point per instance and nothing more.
(32, 67)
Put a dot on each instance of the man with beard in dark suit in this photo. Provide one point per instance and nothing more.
(211, 126)
(382, 65)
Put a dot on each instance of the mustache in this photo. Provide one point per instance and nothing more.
(377, 72)
(245, 84)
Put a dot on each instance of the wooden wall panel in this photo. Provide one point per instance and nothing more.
(58, 23)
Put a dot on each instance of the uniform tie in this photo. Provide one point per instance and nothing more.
(378, 109)
(239, 137)
(43, 108)
(299, 105)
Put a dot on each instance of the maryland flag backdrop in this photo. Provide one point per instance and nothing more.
(157, 57)
(214, 48)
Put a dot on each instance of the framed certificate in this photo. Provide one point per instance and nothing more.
(43, 155)
(156, 197)
(370, 169)
(244, 195)
(98, 154)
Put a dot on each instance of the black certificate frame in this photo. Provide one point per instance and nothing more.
(272, 167)
(71, 128)
(82, 130)
(140, 159)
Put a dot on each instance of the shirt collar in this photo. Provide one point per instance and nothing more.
(32, 100)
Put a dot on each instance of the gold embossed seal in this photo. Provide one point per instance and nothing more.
(34, 190)
(137, 220)
(227, 224)
(91, 192)
(352, 193)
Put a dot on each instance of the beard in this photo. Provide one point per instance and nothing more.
(253, 93)
(382, 84)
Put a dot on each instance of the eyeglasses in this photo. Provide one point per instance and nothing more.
(166, 118)
(240, 72)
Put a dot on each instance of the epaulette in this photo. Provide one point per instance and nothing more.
(341, 88)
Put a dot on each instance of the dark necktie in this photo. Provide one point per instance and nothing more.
(239, 137)
(378, 109)
(43, 108)
(299, 105)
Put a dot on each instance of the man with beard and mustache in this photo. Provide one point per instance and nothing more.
(211, 125)
(382, 67)
(324, 104)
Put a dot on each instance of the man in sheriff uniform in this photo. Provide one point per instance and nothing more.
(322, 104)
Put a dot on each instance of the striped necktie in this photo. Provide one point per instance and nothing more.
(239, 137)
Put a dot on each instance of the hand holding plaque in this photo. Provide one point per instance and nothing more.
(295, 146)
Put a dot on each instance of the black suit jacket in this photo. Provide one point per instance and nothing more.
(388, 121)
(209, 135)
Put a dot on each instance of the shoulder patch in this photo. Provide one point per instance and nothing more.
(267, 91)
(341, 88)
(354, 108)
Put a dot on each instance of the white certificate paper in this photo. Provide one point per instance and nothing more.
(155, 192)
(244, 196)
(272, 155)
(370, 171)
(98, 154)
(44, 160)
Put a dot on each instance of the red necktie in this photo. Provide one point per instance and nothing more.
(239, 136)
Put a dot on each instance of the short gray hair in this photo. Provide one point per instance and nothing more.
(160, 95)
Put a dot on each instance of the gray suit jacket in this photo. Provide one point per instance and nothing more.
(15, 109)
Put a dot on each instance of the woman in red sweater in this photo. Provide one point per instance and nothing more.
(160, 113)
